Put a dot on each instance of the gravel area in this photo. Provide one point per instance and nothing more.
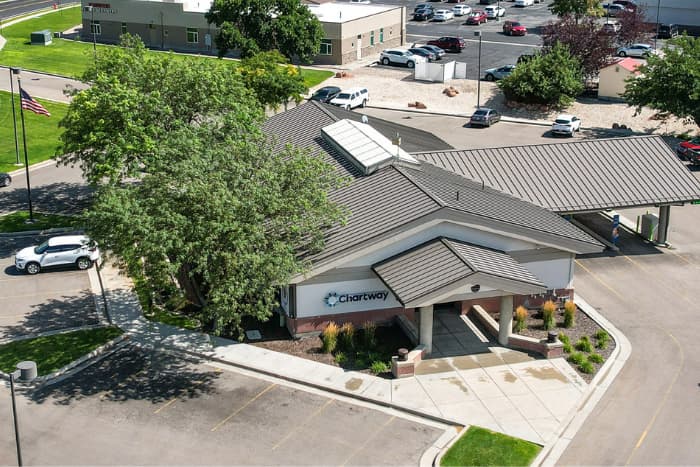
(584, 326)
(394, 88)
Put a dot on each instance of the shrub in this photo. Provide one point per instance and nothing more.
(596, 358)
(584, 345)
(379, 366)
(369, 334)
(340, 358)
(577, 358)
(586, 367)
(568, 348)
(347, 336)
(564, 338)
(602, 337)
(520, 318)
(548, 310)
(329, 336)
(569, 314)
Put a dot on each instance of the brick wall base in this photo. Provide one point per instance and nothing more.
(315, 324)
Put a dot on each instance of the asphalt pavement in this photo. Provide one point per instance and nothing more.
(146, 407)
(11, 8)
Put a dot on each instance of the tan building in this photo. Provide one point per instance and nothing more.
(612, 78)
(352, 31)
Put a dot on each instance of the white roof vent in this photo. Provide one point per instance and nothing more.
(364, 146)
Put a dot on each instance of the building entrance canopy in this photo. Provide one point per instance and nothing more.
(443, 267)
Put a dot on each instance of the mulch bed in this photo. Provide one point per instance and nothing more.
(584, 326)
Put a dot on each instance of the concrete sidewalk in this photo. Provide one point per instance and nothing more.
(502, 390)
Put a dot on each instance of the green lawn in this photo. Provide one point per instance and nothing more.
(71, 58)
(479, 446)
(52, 353)
(15, 222)
(42, 132)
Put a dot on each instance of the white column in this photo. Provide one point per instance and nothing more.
(505, 322)
(426, 327)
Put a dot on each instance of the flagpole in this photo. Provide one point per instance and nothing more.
(14, 71)
(26, 158)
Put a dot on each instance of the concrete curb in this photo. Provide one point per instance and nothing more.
(438, 459)
(38, 165)
(76, 366)
(29, 233)
(601, 382)
(49, 333)
(433, 455)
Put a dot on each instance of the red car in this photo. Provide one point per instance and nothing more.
(689, 150)
(476, 17)
(453, 44)
(514, 28)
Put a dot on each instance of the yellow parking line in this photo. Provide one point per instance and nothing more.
(167, 404)
(218, 425)
(308, 419)
(601, 281)
(372, 437)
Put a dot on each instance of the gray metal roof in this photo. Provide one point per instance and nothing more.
(443, 264)
(579, 176)
(467, 196)
(393, 197)
(412, 139)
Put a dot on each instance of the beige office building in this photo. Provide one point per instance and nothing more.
(352, 31)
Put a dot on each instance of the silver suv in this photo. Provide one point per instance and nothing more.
(58, 251)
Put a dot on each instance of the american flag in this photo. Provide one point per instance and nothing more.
(28, 103)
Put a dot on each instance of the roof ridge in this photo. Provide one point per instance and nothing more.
(427, 192)
(560, 143)
(446, 241)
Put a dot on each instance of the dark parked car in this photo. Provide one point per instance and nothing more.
(667, 31)
(325, 94)
(439, 53)
(425, 53)
(5, 179)
(453, 44)
(424, 14)
(484, 117)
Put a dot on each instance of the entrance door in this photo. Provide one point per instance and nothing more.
(359, 46)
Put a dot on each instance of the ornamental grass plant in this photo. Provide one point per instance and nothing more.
(520, 318)
(569, 314)
(329, 336)
(548, 310)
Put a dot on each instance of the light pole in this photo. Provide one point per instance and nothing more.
(91, 9)
(658, 10)
(26, 371)
(478, 73)
(14, 71)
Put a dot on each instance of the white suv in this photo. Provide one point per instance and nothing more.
(399, 57)
(355, 97)
(58, 251)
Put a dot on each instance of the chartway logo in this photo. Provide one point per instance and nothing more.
(333, 299)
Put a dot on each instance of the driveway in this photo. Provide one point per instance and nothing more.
(49, 301)
(141, 407)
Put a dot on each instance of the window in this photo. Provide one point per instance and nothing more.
(192, 36)
(326, 47)
(95, 28)
(371, 38)
(124, 30)
(381, 35)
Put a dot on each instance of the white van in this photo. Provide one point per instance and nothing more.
(351, 98)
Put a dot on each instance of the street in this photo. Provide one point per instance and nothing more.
(11, 8)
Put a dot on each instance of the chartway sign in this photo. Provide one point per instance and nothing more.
(333, 298)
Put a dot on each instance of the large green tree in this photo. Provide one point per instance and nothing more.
(192, 197)
(252, 26)
(669, 82)
(576, 8)
(272, 79)
(551, 78)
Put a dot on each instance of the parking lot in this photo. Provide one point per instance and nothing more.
(147, 407)
(48, 301)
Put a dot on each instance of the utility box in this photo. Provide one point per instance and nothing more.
(650, 225)
(41, 37)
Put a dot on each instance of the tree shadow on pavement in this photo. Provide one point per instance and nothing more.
(53, 314)
(55, 198)
(133, 373)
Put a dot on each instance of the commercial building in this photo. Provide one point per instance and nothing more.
(352, 31)
(457, 228)
(613, 77)
(684, 13)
